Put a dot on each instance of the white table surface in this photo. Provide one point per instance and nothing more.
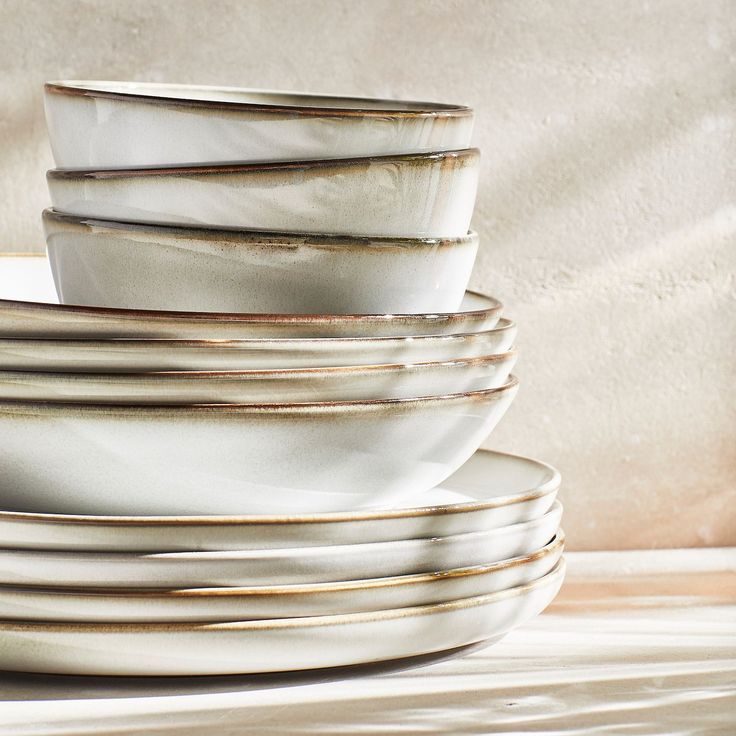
(636, 643)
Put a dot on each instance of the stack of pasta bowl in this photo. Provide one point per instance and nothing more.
(247, 439)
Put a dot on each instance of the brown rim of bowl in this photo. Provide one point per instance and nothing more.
(394, 581)
(550, 485)
(240, 168)
(511, 353)
(95, 88)
(494, 307)
(550, 578)
(274, 237)
(260, 408)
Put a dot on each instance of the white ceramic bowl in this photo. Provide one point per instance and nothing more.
(348, 383)
(290, 566)
(275, 601)
(116, 264)
(52, 321)
(126, 356)
(126, 124)
(490, 490)
(413, 196)
(270, 646)
(237, 458)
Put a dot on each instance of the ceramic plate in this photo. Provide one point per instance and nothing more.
(272, 645)
(288, 566)
(242, 604)
(349, 383)
(29, 308)
(491, 489)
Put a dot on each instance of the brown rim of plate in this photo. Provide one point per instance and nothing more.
(274, 237)
(504, 324)
(257, 318)
(550, 485)
(459, 155)
(95, 88)
(275, 372)
(556, 543)
(260, 408)
(287, 623)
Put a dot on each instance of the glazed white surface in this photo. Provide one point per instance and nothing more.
(431, 196)
(230, 459)
(98, 132)
(271, 646)
(87, 605)
(490, 490)
(190, 269)
(350, 383)
(134, 355)
(292, 565)
(29, 308)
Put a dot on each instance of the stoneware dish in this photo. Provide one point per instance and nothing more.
(490, 490)
(349, 383)
(250, 647)
(121, 124)
(238, 458)
(142, 355)
(271, 601)
(291, 565)
(477, 313)
(114, 264)
(409, 196)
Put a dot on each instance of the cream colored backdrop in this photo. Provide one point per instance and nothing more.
(607, 205)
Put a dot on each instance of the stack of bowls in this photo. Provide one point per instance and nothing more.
(247, 439)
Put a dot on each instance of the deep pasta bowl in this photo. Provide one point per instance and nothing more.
(428, 195)
(238, 458)
(108, 263)
(126, 124)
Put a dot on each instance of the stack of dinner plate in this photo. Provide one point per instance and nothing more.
(247, 439)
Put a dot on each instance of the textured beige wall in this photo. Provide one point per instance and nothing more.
(607, 206)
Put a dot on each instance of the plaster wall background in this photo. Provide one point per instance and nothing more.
(607, 204)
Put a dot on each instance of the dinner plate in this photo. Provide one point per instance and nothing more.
(491, 489)
(143, 355)
(276, 566)
(397, 381)
(261, 602)
(250, 647)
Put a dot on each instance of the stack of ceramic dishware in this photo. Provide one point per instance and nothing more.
(247, 439)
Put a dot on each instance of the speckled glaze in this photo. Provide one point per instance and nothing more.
(290, 566)
(39, 319)
(271, 645)
(348, 383)
(412, 196)
(88, 605)
(490, 490)
(135, 355)
(237, 458)
(126, 124)
(115, 264)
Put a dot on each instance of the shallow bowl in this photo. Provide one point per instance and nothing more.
(126, 124)
(490, 490)
(117, 264)
(411, 196)
(238, 458)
